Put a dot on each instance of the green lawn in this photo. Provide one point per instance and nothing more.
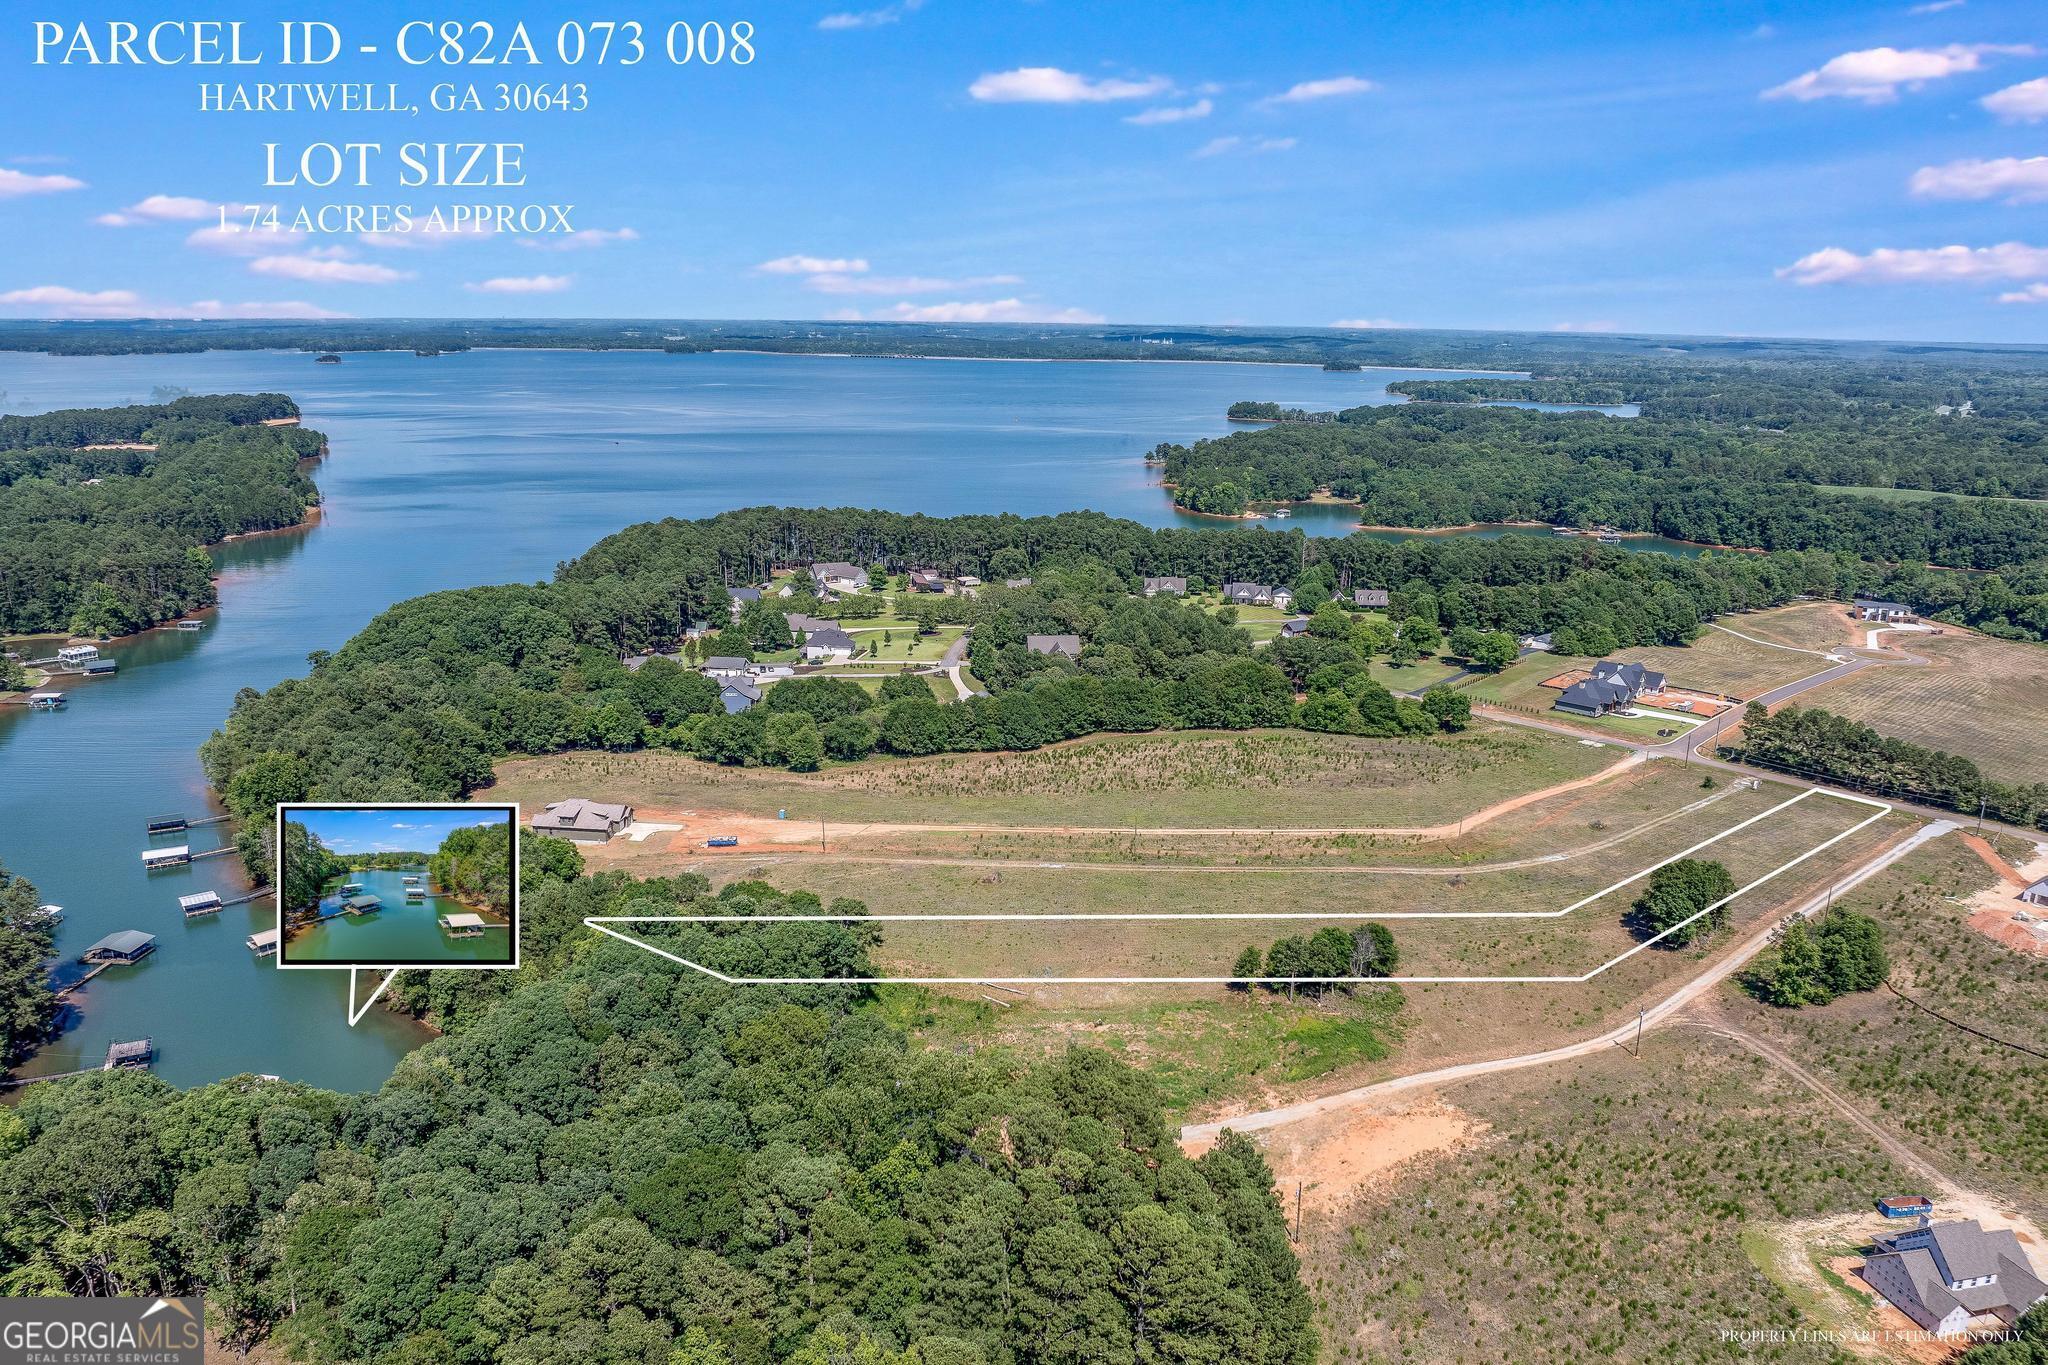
(901, 642)
(1423, 673)
(1912, 494)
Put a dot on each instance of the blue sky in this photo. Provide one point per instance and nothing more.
(404, 831)
(1817, 169)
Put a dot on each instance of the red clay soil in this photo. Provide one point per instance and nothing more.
(1979, 846)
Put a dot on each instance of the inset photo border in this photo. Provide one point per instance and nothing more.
(379, 896)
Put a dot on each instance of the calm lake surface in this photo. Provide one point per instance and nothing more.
(491, 467)
(401, 930)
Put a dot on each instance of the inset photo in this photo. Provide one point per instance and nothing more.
(398, 885)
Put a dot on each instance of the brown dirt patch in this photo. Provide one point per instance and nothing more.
(1333, 1156)
(1997, 912)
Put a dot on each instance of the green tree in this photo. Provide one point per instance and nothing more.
(1676, 895)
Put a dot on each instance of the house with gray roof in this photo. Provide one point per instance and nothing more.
(1614, 686)
(581, 821)
(1248, 594)
(724, 666)
(1069, 645)
(838, 577)
(1294, 627)
(1173, 585)
(1370, 597)
(1870, 609)
(828, 643)
(737, 695)
(1949, 1277)
(740, 597)
(2037, 894)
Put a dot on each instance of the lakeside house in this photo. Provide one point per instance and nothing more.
(1370, 597)
(1870, 609)
(830, 645)
(738, 695)
(125, 945)
(1258, 595)
(1951, 1277)
(837, 577)
(1173, 585)
(77, 656)
(1613, 686)
(725, 666)
(582, 821)
(1068, 645)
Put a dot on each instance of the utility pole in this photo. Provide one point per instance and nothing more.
(1297, 1210)
(821, 834)
(1639, 1034)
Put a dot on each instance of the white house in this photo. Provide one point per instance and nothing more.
(829, 645)
(1948, 1277)
(724, 666)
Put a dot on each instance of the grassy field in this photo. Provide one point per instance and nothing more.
(1197, 1051)
(1415, 677)
(1724, 663)
(1803, 625)
(1980, 1111)
(1261, 778)
(1982, 698)
(1600, 1217)
(902, 641)
(1912, 494)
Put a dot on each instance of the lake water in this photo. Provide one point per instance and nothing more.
(491, 467)
(400, 930)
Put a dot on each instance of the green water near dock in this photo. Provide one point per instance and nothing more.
(400, 931)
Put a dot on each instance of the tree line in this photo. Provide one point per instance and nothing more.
(1812, 742)
(107, 542)
(609, 1158)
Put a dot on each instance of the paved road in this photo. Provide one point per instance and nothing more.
(1720, 970)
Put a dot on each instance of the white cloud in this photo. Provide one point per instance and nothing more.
(56, 300)
(2033, 293)
(522, 284)
(160, 208)
(59, 301)
(584, 239)
(238, 239)
(1172, 113)
(425, 234)
(1218, 146)
(292, 308)
(993, 310)
(2015, 180)
(1050, 85)
(1876, 74)
(1368, 324)
(1936, 6)
(17, 183)
(1333, 87)
(813, 265)
(903, 284)
(870, 18)
(1592, 325)
(2026, 102)
(1920, 265)
(327, 266)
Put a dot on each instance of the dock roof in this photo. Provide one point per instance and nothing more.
(465, 921)
(171, 854)
(125, 942)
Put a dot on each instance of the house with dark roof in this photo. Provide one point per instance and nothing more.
(1369, 597)
(1870, 609)
(1172, 585)
(1949, 1277)
(1294, 628)
(828, 643)
(1248, 594)
(581, 821)
(1613, 686)
(926, 580)
(1069, 645)
(738, 695)
(740, 597)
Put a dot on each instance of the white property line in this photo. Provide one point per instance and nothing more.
(603, 923)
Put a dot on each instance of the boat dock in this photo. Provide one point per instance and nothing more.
(136, 1054)
(201, 903)
(177, 855)
(175, 824)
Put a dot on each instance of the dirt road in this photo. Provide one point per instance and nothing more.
(1718, 971)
